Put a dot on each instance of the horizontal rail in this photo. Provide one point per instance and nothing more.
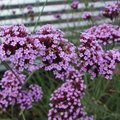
(37, 4)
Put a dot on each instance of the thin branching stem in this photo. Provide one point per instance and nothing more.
(8, 67)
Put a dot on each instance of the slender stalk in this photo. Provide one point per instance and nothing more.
(23, 116)
(29, 76)
(39, 16)
(12, 112)
(8, 67)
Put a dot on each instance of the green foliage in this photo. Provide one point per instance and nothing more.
(102, 98)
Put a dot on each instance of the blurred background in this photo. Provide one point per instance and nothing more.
(60, 13)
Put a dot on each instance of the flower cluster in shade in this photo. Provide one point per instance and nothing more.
(111, 10)
(65, 102)
(86, 15)
(94, 59)
(12, 92)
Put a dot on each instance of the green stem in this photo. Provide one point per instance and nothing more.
(8, 67)
(12, 112)
(39, 16)
(29, 76)
(23, 116)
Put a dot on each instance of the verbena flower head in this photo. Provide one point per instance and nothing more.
(90, 55)
(87, 15)
(58, 52)
(74, 4)
(58, 15)
(18, 30)
(24, 100)
(36, 92)
(10, 81)
(65, 102)
(19, 51)
(17, 47)
(30, 12)
(12, 92)
(108, 65)
(111, 10)
(10, 87)
(105, 33)
(49, 29)
(27, 97)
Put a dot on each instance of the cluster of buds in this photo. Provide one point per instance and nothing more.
(30, 12)
(87, 15)
(74, 4)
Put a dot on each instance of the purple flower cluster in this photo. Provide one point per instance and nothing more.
(10, 87)
(105, 33)
(12, 92)
(90, 55)
(18, 30)
(70, 73)
(94, 59)
(57, 52)
(54, 53)
(36, 92)
(30, 12)
(17, 47)
(59, 55)
(65, 102)
(111, 10)
(27, 97)
(22, 49)
(87, 15)
(108, 65)
(74, 4)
